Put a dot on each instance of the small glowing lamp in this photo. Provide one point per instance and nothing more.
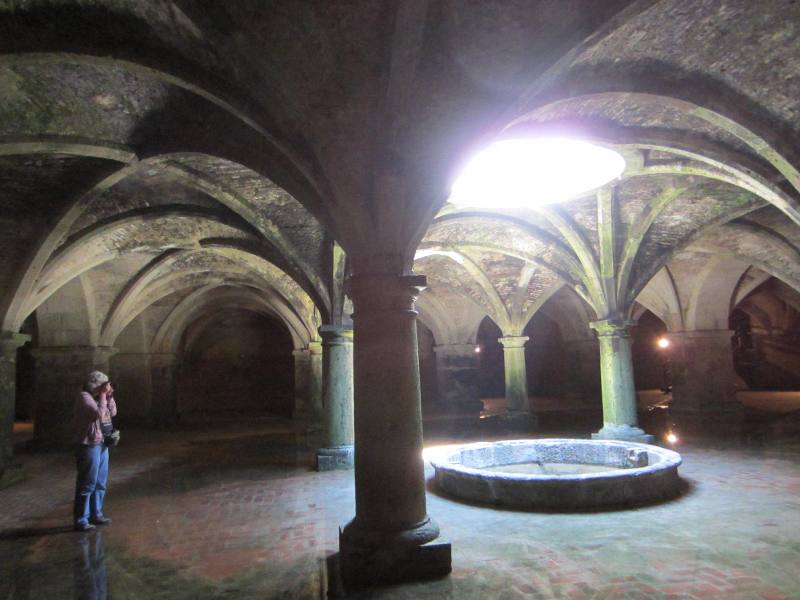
(672, 438)
(526, 172)
(662, 343)
(477, 349)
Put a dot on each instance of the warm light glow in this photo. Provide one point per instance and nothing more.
(431, 452)
(663, 343)
(477, 349)
(672, 438)
(530, 172)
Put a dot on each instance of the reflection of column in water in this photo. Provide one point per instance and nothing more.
(89, 569)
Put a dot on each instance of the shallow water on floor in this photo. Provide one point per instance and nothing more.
(224, 511)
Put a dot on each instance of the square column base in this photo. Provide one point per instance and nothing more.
(360, 568)
(625, 433)
(337, 458)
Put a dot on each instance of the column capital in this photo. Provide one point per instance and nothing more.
(613, 327)
(379, 292)
(513, 341)
(335, 334)
(9, 341)
(315, 348)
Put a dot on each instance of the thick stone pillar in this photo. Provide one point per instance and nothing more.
(308, 384)
(616, 375)
(302, 384)
(163, 389)
(60, 375)
(337, 399)
(457, 378)
(9, 343)
(515, 374)
(391, 536)
(315, 381)
(703, 376)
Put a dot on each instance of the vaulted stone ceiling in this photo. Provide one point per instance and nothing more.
(161, 152)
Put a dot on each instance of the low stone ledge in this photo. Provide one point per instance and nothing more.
(642, 474)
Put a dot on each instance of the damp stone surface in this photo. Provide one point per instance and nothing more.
(568, 474)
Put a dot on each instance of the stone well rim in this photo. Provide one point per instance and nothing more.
(669, 459)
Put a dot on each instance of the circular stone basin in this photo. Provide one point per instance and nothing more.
(559, 473)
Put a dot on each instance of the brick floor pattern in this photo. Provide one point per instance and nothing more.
(235, 512)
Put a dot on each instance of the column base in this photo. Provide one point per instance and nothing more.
(625, 433)
(376, 558)
(335, 458)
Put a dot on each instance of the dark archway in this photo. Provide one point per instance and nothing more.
(766, 335)
(545, 357)
(26, 373)
(490, 362)
(650, 366)
(239, 362)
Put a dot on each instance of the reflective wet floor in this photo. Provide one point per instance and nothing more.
(232, 511)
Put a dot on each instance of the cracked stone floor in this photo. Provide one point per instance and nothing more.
(231, 510)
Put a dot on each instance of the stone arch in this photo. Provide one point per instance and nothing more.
(694, 99)
(493, 303)
(51, 51)
(228, 262)
(167, 337)
(68, 318)
(711, 295)
(660, 296)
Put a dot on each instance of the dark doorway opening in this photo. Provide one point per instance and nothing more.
(236, 363)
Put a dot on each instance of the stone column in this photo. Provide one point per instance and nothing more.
(457, 378)
(163, 389)
(315, 382)
(337, 399)
(703, 377)
(616, 377)
(515, 374)
(391, 537)
(60, 375)
(9, 343)
(308, 385)
(302, 384)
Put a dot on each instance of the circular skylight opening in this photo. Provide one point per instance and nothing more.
(519, 173)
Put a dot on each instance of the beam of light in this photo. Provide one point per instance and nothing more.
(528, 172)
(438, 451)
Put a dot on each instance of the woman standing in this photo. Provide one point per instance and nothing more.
(92, 413)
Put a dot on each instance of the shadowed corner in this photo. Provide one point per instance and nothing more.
(33, 532)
